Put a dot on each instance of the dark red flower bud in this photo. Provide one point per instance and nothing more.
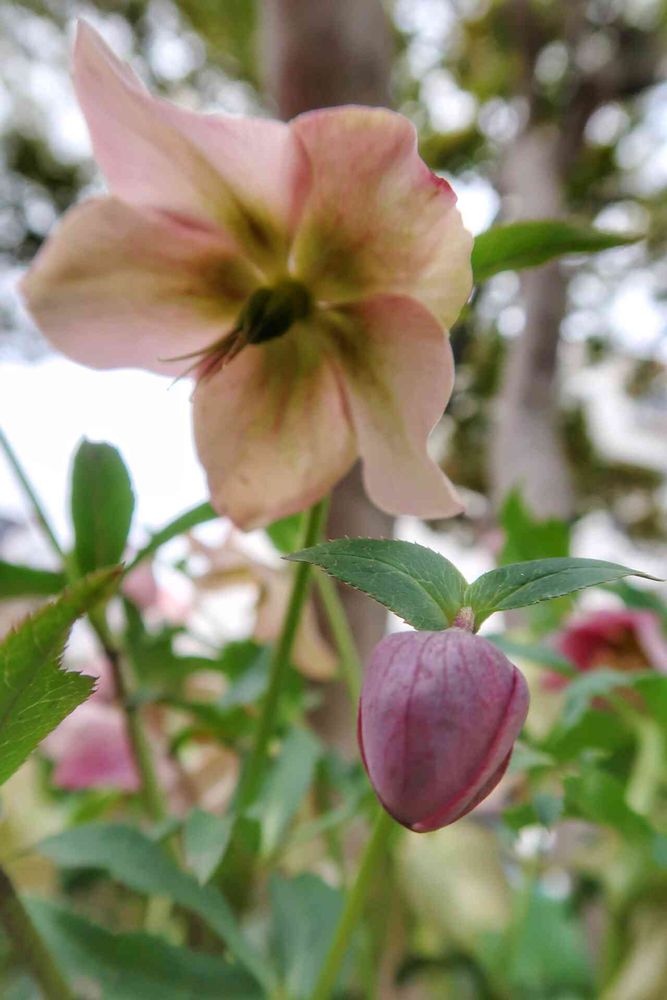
(438, 717)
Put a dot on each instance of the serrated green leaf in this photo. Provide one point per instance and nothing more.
(414, 582)
(205, 840)
(525, 583)
(135, 965)
(305, 914)
(35, 693)
(528, 244)
(26, 581)
(140, 864)
(200, 514)
(102, 506)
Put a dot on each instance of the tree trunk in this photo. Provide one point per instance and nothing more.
(526, 451)
(322, 53)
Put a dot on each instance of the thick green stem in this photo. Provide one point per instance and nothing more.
(32, 497)
(29, 947)
(254, 768)
(354, 904)
(350, 664)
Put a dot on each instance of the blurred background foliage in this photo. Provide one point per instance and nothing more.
(534, 109)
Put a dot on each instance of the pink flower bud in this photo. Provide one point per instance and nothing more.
(438, 717)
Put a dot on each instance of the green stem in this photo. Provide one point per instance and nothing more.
(150, 791)
(350, 664)
(354, 905)
(254, 768)
(29, 947)
(647, 771)
(32, 497)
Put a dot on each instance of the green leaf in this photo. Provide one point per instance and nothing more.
(205, 840)
(525, 583)
(286, 534)
(102, 506)
(600, 798)
(527, 537)
(414, 582)
(585, 688)
(140, 864)
(305, 914)
(286, 785)
(545, 953)
(527, 244)
(35, 693)
(542, 656)
(135, 965)
(25, 581)
(200, 514)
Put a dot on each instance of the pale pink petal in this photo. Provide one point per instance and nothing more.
(91, 750)
(248, 174)
(272, 430)
(377, 220)
(400, 373)
(117, 286)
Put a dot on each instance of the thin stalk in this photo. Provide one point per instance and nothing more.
(28, 945)
(150, 791)
(32, 497)
(254, 768)
(354, 904)
(350, 663)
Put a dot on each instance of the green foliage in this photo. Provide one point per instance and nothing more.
(286, 534)
(200, 514)
(305, 912)
(129, 966)
(140, 864)
(600, 798)
(419, 585)
(205, 840)
(285, 786)
(522, 584)
(102, 506)
(528, 537)
(427, 591)
(35, 692)
(26, 581)
(528, 244)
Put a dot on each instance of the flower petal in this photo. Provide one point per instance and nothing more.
(272, 430)
(117, 286)
(91, 750)
(249, 175)
(377, 219)
(400, 373)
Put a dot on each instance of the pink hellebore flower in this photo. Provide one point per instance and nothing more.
(90, 747)
(623, 639)
(438, 717)
(312, 268)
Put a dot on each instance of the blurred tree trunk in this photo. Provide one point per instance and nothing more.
(527, 451)
(321, 53)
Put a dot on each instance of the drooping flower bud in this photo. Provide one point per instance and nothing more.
(438, 717)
